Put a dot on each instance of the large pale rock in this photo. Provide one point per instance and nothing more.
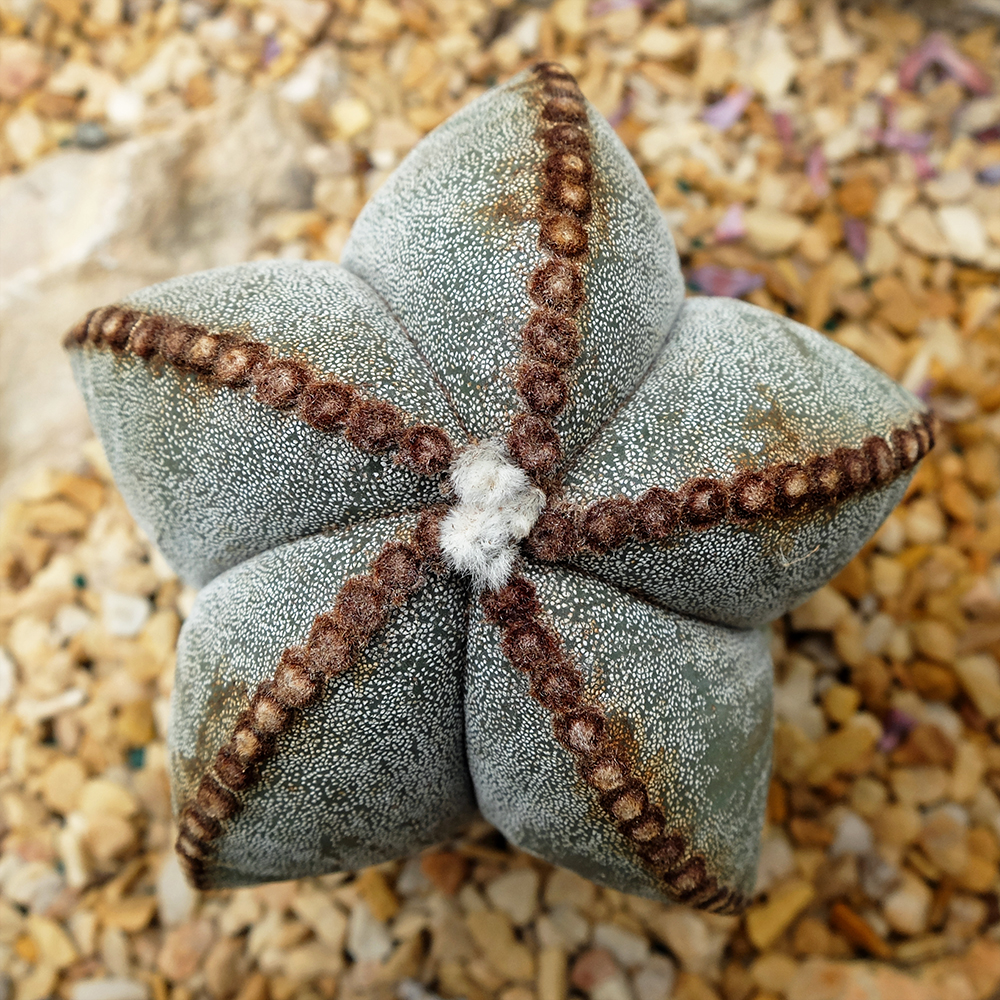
(84, 228)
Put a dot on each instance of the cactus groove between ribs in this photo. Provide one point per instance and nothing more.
(487, 517)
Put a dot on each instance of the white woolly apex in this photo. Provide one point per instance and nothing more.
(497, 508)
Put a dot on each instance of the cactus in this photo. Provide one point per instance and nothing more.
(489, 516)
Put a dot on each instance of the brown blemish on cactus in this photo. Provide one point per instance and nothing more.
(336, 639)
(278, 383)
(603, 760)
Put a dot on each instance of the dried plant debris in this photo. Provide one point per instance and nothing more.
(840, 166)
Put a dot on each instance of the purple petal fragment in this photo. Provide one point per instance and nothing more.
(730, 226)
(600, 7)
(897, 726)
(925, 169)
(856, 237)
(726, 113)
(816, 171)
(938, 51)
(732, 282)
(990, 174)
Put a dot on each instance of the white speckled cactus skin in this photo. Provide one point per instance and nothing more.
(355, 681)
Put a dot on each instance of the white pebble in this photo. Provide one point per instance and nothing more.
(655, 980)
(515, 893)
(175, 899)
(630, 949)
(368, 939)
(109, 989)
(123, 614)
(854, 836)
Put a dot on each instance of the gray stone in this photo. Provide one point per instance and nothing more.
(82, 228)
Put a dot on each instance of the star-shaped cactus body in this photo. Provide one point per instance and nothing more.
(487, 517)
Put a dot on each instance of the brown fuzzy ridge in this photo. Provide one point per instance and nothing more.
(284, 384)
(580, 726)
(782, 490)
(550, 338)
(337, 638)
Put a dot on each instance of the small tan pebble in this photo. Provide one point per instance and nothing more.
(593, 968)
(515, 893)
(845, 749)
(979, 675)
(773, 971)
(964, 231)
(840, 702)
(131, 914)
(919, 785)
(697, 941)
(933, 681)
(327, 920)
(897, 824)
(368, 938)
(563, 927)
(691, 986)
(494, 935)
(446, 870)
(183, 948)
(857, 195)
(822, 611)
(858, 931)
(565, 887)
(935, 640)
(906, 908)
(919, 231)
(552, 978)
(52, 941)
(102, 797)
(222, 966)
(61, 784)
(968, 771)
(56, 517)
(629, 949)
(655, 980)
(254, 987)
(374, 888)
(766, 922)
(771, 231)
(868, 796)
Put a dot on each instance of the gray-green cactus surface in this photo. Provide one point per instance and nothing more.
(487, 517)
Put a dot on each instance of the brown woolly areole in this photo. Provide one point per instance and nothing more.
(336, 640)
(783, 490)
(580, 725)
(279, 383)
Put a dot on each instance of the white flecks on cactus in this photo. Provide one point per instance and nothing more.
(488, 517)
(498, 506)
